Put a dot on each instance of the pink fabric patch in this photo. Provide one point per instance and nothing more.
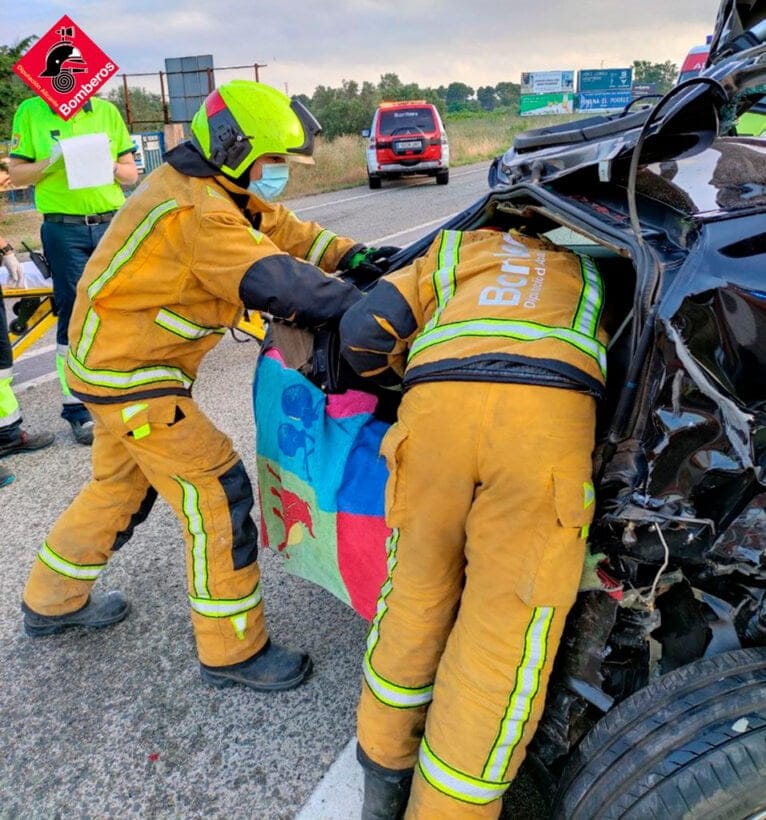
(273, 353)
(342, 405)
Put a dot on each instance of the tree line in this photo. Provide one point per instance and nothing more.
(348, 108)
(343, 110)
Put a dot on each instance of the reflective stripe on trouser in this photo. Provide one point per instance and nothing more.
(167, 444)
(490, 495)
(66, 393)
(9, 406)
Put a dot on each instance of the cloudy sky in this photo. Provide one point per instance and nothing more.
(432, 43)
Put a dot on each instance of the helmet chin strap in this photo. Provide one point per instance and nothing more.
(198, 148)
(243, 180)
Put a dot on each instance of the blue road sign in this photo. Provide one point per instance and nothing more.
(603, 100)
(604, 79)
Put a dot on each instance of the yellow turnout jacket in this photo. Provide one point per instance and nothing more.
(186, 254)
(483, 306)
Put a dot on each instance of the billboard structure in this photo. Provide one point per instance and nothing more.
(546, 92)
(605, 79)
(190, 80)
(599, 90)
(643, 89)
(547, 82)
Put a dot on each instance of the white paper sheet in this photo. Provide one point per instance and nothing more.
(88, 160)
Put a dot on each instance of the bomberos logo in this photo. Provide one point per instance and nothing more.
(65, 67)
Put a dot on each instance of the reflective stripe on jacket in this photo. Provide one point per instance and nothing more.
(178, 264)
(487, 306)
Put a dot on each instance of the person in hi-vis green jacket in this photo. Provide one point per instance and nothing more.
(74, 219)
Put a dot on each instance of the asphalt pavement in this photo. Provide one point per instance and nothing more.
(117, 723)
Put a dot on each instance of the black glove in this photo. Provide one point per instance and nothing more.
(367, 265)
(382, 256)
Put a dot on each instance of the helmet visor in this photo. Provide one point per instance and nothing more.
(311, 128)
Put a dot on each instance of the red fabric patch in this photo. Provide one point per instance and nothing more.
(362, 558)
(263, 531)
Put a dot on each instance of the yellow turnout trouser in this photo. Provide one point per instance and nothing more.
(168, 446)
(489, 496)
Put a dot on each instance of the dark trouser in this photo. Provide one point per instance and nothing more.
(68, 248)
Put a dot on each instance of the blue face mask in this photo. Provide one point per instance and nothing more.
(272, 182)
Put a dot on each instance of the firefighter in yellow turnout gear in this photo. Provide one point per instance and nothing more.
(497, 338)
(196, 244)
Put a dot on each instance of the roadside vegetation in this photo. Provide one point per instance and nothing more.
(340, 163)
(474, 137)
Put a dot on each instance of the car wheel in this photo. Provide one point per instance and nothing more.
(442, 177)
(374, 181)
(691, 744)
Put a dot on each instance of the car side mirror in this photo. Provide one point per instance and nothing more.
(365, 132)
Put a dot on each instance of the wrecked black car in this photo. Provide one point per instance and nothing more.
(657, 707)
(657, 704)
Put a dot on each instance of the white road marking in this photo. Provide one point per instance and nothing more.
(481, 170)
(36, 351)
(341, 201)
(339, 794)
(441, 219)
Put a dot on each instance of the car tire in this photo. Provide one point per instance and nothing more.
(374, 181)
(691, 744)
(442, 177)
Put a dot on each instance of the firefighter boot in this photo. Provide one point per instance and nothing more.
(272, 669)
(101, 610)
(386, 791)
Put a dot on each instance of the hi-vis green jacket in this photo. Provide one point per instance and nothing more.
(183, 258)
(483, 306)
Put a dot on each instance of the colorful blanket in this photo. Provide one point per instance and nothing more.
(321, 482)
